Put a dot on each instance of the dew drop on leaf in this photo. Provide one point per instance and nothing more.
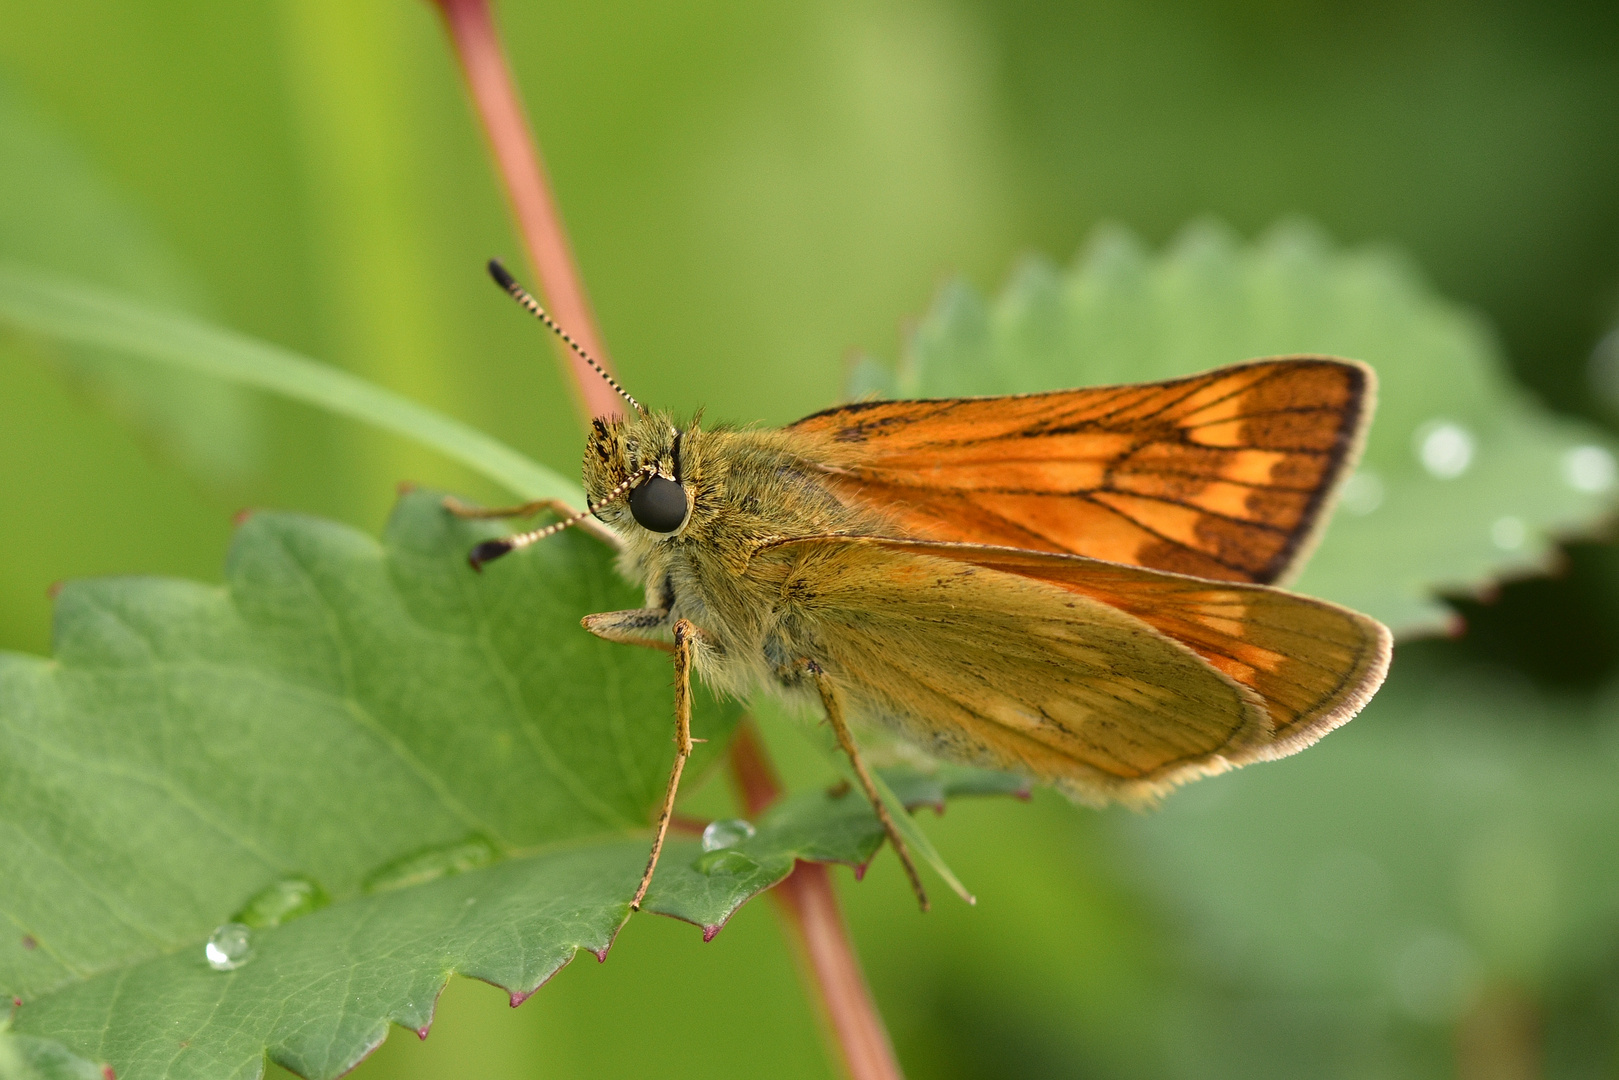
(229, 947)
(726, 833)
(282, 901)
(726, 861)
(430, 864)
(1590, 469)
(1444, 448)
(1508, 533)
(1362, 493)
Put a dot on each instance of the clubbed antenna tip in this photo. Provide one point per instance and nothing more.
(490, 550)
(521, 295)
(502, 277)
(487, 551)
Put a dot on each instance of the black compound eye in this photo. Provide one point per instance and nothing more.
(659, 505)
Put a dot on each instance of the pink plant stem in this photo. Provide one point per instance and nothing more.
(805, 900)
(477, 43)
(809, 907)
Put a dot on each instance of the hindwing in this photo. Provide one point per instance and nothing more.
(1111, 681)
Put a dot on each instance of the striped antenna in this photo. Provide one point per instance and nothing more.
(490, 550)
(521, 295)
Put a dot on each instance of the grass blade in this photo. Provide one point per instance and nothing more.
(71, 311)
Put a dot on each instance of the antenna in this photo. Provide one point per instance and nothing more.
(521, 295)
(490, 550)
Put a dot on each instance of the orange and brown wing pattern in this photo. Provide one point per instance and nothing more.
(1010, 672)
(1222, 475)
(1311, 663)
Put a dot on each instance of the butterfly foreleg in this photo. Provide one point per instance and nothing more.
(556, 506)
(477, 513)
(834, 715)
(685, 636)
(645, 627)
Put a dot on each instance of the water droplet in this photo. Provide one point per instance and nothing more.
(727, 833)
(1590, 468)
(1444, 448)
(1508, 533)
(1362, 493)
(430, 864)
(1603, 368)
(282, 901)
(229, 947)
(726, 861)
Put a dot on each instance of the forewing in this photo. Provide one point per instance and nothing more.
(1312, 664)
(1223, 475)
(986, 667)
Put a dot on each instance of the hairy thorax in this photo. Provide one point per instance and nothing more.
(747, 489)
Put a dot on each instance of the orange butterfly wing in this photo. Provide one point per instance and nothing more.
(1312, 665)
(1223, 475)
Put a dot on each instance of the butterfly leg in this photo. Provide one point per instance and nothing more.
(685, 633)
(834, 714)
(643, 626)
(556, 506)
(464, 510)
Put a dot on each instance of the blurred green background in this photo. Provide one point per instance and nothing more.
(756, 191)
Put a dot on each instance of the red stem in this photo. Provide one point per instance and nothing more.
(806, 901)
(477, 44)
(809, 907)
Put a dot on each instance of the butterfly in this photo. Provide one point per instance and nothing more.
(1078, 586)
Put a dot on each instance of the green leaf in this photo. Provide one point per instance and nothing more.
(24, 1057)
(337, 707)
(56, 211)
(1464, 479)
(827, 826)
(72, 311)
(380, 766)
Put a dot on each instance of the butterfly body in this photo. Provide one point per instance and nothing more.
(1075, 585)
(804, 551)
